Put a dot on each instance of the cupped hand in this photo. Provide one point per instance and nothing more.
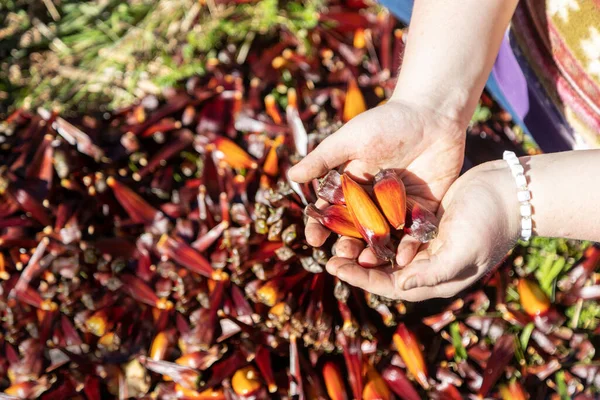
(425, 147)
(479, 224)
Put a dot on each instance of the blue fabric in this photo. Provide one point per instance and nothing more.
(402, 9)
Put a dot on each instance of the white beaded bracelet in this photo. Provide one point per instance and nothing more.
(523, 194)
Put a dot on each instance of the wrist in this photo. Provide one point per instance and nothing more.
(453, 104)
(497, 177)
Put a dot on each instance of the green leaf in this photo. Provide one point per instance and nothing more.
(544, 269)
(526, 335)
(460, 353)
(557, 267)
(561, 385)
(481, 114)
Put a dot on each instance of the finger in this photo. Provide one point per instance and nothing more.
(348, 247)
(334, 263)
(361, 171)
(370, 279)
(328, 155)
(444, 290)
(444, 263)
(316, 234)
(443, 258)
(368, 259)
(407, 249)
(414, 274)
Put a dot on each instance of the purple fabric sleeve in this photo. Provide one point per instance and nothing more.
(511, 80)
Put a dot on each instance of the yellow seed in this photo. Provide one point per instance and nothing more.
(354, 103)
(333, 381)
(245, 381)
(533, 300)
(359, 39)
(408, 347)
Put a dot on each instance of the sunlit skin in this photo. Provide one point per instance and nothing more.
(420, 133)
(480, 222)
(365, 154)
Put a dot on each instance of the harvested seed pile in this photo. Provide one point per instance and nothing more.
(157, 252)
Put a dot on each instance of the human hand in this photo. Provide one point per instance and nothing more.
(479, 224)
(425, 147)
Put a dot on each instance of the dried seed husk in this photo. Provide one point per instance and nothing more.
(75, 137)
(135, 206)
(353, 358)
(501, 355)
(421, 223)
(232, 154)
(139, 290)
(29, 203)
(296, 382)
(263, 361)
(185, 376)
(439, 321)
(29, 390)
(223, 369)
(446, 391)
(186, 256)
(180, 140)
(330, 188)
(290, 234)
(201, 360)
(41, 165)
(34, 266)
(209, 238)
(399, 383)
(297, 126)
(578, 275)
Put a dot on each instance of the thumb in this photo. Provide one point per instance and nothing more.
(331, 153)
(443, 261)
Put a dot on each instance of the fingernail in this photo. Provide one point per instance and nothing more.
(410, 283)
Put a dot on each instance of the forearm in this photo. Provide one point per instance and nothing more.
(450, 52)
(565, 191)
(565, 194)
